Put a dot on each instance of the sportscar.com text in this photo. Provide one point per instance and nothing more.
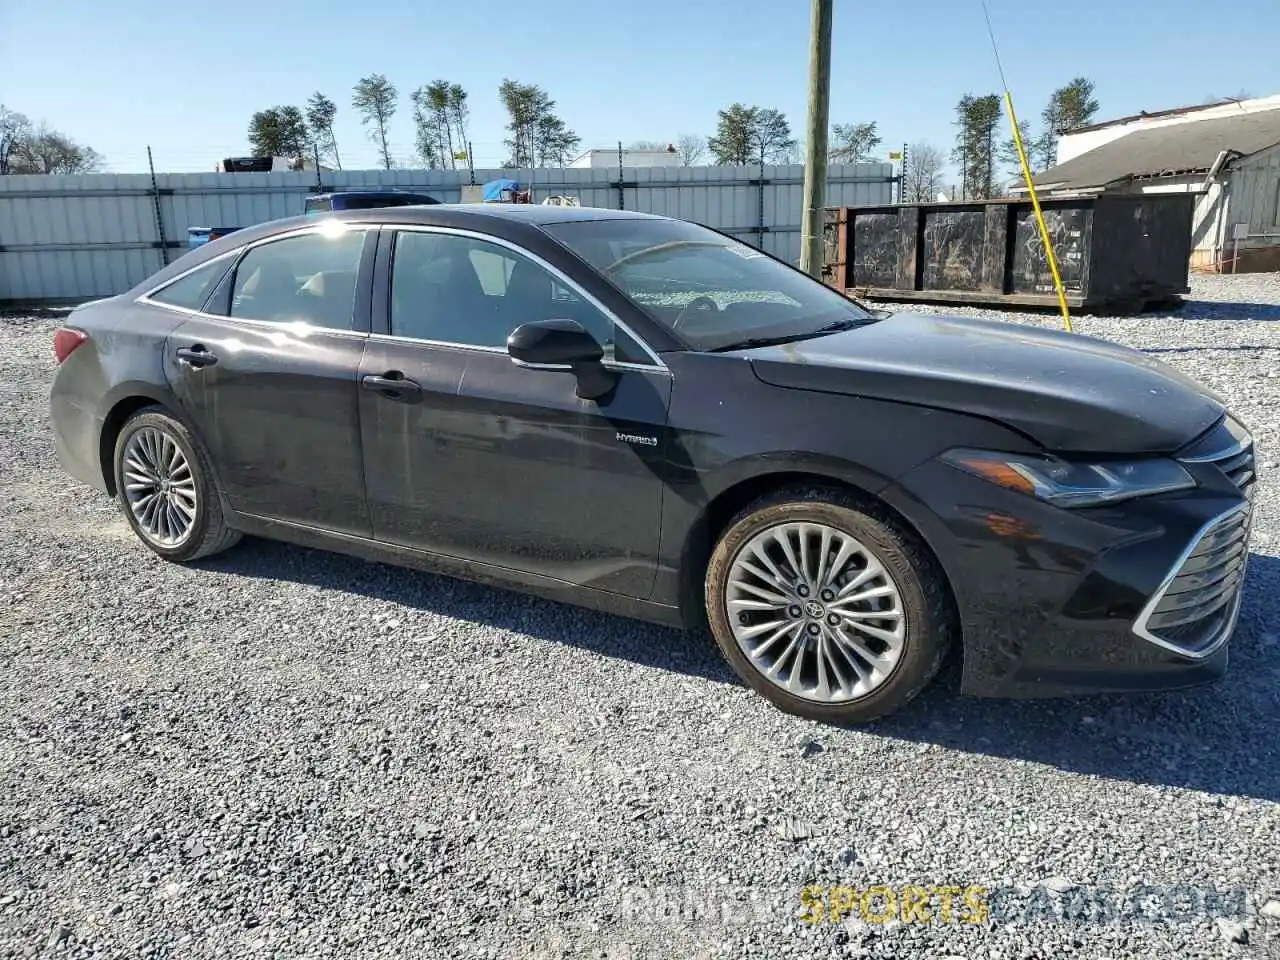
(932, 903)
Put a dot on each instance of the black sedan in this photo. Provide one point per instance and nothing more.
(645, 416)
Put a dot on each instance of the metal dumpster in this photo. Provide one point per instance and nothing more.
(1121, 252)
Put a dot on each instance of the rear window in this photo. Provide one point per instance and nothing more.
(191, 292)
(318, 205)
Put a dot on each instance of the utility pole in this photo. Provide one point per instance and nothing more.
(902, 177)
(815, 161)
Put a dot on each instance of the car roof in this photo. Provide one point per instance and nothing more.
(365, 193)
(515, 222)
(516, 212)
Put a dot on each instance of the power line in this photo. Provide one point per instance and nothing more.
(995, 49)
(1026, 175)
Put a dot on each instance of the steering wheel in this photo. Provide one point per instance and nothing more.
(700, 304)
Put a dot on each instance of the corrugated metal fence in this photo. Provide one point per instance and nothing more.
(75, 237)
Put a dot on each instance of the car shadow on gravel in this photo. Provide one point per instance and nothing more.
(12, 313)
(649, 645)
(1215, 348)
(1219, 738)
(1216, 310)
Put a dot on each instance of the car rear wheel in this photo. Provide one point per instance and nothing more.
(824, 605)
(166, 488)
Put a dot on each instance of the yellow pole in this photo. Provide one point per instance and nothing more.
(1035, 203)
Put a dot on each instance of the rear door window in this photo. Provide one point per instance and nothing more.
(309, 278)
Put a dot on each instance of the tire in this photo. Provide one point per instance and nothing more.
(914, 629)
(206, 533)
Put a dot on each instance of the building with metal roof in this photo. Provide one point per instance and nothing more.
(1228, 154)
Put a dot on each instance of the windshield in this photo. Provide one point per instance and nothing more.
(713, 291)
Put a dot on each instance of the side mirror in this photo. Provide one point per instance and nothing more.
(559, 342)
(567, 345)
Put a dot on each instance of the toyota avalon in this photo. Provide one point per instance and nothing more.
(648, 417)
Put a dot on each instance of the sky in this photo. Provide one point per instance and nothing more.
(185, 77)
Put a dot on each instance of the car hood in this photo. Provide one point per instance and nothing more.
(1067, 392)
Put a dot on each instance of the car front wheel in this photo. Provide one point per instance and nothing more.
(166, 488)
(821, 603)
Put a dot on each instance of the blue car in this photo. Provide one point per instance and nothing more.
(325, 203)
(363, 200)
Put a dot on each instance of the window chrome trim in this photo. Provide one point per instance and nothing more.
(311, 328)
(477, 348)
(557, 367)
(560, 276)
(317, 227)
(474, 347)
(1140, 624)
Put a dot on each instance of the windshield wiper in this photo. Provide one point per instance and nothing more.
(835, 327)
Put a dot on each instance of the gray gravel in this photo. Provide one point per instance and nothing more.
(287, 753)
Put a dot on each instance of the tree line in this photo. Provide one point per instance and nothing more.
(27, 147)
(537, 135)
(988, 161)
(751, 134)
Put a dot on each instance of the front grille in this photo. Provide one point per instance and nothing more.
(1238, 467)
(1229, 447)
(1194, 610)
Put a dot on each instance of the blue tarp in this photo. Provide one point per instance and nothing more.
(494, 189)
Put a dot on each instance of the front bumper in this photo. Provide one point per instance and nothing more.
(1057, 602)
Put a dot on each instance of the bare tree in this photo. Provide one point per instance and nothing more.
(853, 143)
(374, 97)
(653, 146)
(773, 138)
(1241, 94)
(41, 150)
(1008, 154)
(15, 129)
(692, 148)
(321, 112)
(922, 173)
(48, 151)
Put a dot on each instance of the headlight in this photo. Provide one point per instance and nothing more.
(1070, 484)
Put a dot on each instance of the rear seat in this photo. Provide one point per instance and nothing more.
(332, 294)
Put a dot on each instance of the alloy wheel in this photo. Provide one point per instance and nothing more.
(815, 612)
(159, 487)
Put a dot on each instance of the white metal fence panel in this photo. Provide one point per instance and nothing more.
(94, 235)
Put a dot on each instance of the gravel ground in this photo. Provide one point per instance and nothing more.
(286, 753)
